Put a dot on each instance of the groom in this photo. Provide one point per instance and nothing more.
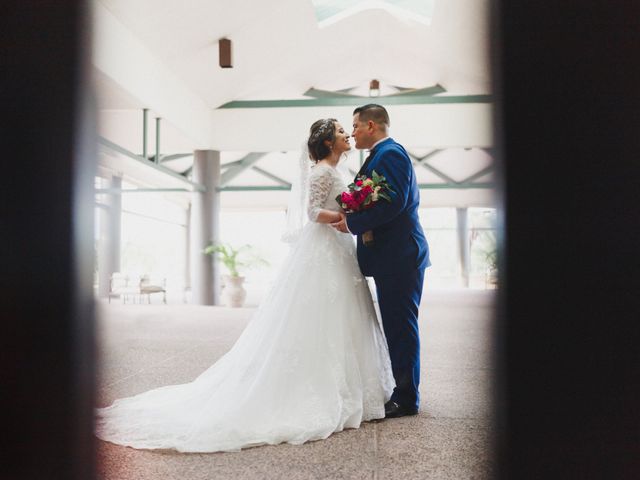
(399, 254)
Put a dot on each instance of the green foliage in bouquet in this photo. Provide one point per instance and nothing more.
(364, 192)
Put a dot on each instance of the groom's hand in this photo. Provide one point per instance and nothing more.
(341, 225)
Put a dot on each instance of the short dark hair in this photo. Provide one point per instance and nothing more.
(321, 130)
(374, 112)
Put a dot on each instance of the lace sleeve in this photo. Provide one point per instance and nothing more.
(320, 183)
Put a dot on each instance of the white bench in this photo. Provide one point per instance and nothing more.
(135, 287)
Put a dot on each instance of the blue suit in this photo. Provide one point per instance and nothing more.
(397, 261)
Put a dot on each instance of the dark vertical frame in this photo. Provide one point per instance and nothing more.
(567, 82)
(568, 123)
(47, 328)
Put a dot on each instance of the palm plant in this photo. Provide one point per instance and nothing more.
(234, 258)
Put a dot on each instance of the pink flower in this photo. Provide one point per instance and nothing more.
(364, 193)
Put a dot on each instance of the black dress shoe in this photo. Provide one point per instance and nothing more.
(393, 410)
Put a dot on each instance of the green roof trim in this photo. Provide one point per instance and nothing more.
(354, 101)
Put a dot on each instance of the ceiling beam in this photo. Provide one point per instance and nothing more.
(346, 100)
(244, 163)
(317, 93)
(235, 168)
(230, 164)
(271, 176)
(450, 182)
(406, 92)
(437, 172)
(479, 174)
(114, 147)
(175, 156)
(418, 92)
(423, 161)
(432, 153)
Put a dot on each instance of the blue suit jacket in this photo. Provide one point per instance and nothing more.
(400, 244)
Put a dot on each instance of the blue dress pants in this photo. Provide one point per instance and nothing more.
(399, 298)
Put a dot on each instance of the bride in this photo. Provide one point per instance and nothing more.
(312, 360)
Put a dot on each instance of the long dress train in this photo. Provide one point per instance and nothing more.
(312, 360)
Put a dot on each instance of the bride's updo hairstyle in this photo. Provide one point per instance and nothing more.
(321, 131)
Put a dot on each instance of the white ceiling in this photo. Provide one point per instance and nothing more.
(279, 51)
(163, 55)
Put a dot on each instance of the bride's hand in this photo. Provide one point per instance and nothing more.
(341, 225)
(339, 216)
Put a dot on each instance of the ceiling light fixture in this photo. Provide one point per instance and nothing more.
(224, 47)
(374, 88)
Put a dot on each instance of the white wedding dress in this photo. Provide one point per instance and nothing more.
(312, 360)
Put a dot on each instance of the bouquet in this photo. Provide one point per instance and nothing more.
(363, 194)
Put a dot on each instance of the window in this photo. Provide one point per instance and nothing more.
(332, 11)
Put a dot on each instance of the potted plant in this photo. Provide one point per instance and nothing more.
(491, 258)
(235, 259)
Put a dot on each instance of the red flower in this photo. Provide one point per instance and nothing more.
(349, 201)
(361, 196)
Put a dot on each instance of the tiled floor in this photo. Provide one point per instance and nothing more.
(145, 346)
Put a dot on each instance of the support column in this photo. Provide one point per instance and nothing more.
(187, 253)
(463, 243)
(110, 230)
(145, 129)
(157, 156)
(205, 214)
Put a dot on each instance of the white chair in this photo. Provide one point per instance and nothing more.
(147, 287)
(134, 287)
(122, 285)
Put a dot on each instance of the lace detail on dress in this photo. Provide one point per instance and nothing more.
(320, 185)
